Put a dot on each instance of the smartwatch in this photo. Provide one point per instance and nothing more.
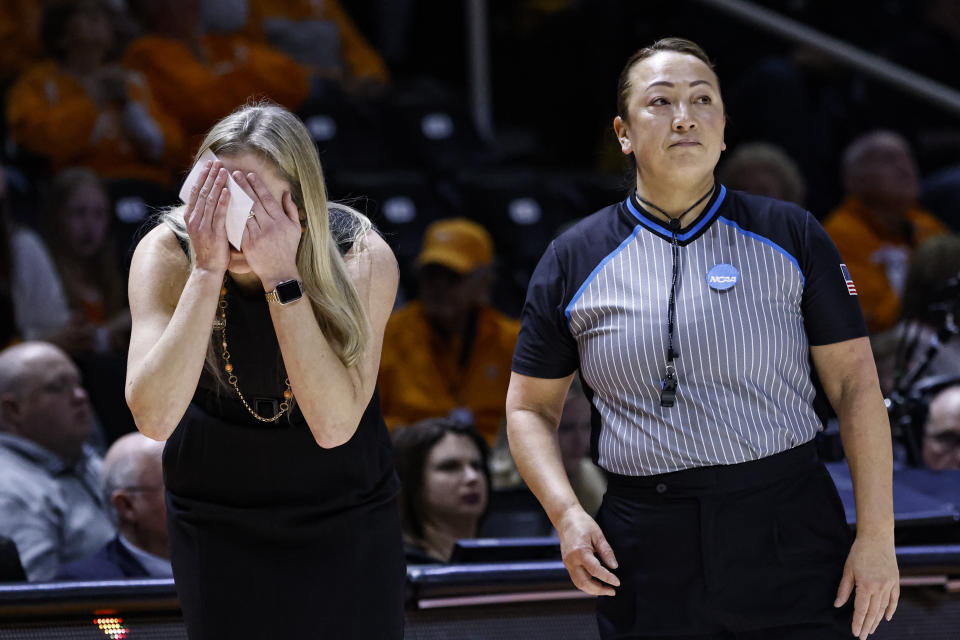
(286, 292)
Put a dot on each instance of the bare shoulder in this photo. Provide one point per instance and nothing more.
(374, 271)
(161, 243)
(159, 266)
(372, 256)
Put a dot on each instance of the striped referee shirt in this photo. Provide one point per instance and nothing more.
(759, 282)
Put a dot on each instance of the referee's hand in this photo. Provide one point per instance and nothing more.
(581, 541)
(871, 569)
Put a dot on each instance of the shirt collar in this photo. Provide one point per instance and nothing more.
(155, 566)
(41, 456)
(639, 214)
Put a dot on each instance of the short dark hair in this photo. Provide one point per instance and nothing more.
(679, 45)
(413, 445)
(751, 156)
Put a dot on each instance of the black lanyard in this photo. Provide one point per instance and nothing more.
(668, 385)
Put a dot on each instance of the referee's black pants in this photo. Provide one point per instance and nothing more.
(748, 551)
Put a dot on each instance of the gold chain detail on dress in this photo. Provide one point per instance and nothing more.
(220, 324)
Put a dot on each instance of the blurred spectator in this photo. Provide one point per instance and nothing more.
(941, 195)
(445, 483)
(20, 43)
(320, 35)
(941, 435)
(448, 352)
(573, 437)
(50, 499)
(10, 568)
(763, 169)
(32, 302)
(930, 292)
(200, 77)
(80, 108)
(133, 489)
(879, 223)
(78, 219)
(931, 285)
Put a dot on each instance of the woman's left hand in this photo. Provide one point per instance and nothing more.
(272, 236)
(870, 570)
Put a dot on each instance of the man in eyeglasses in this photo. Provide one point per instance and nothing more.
(941, 437)
(133, 489)
(50, 502)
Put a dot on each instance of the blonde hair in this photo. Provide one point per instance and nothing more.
(280, 139)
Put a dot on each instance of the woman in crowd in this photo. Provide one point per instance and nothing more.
(692, 313)
(77, 221)
(443, 469)
(79, 107)
(77, 218)
(259, 367)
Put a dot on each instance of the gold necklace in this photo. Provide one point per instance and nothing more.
(220, 324)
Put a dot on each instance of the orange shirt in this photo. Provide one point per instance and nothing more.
(361, 59)
(421, 377)
(199, 92)
(51, 114)
(877, 258)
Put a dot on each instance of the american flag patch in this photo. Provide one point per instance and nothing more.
(852, 290)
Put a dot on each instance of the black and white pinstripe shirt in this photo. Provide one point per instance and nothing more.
(760, 281)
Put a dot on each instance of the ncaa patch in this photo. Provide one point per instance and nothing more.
(852, 290)
(722, 276)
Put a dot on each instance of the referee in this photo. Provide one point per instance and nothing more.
(693, 314)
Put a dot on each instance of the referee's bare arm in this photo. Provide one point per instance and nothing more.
(849, 378)
(534, 406)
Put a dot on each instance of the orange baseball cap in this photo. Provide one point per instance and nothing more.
(458, 244)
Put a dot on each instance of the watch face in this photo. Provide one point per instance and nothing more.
(289, 291)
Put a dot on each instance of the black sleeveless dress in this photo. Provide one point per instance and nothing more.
(272, 536)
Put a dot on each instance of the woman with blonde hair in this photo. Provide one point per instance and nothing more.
(258, 367)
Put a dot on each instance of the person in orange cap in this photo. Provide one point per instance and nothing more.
(448, 352)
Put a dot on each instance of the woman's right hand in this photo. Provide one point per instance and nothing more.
(206, 217)
(583, 547)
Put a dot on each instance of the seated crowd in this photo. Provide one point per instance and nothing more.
(110, 94)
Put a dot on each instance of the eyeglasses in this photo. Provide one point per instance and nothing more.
(948, 439)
